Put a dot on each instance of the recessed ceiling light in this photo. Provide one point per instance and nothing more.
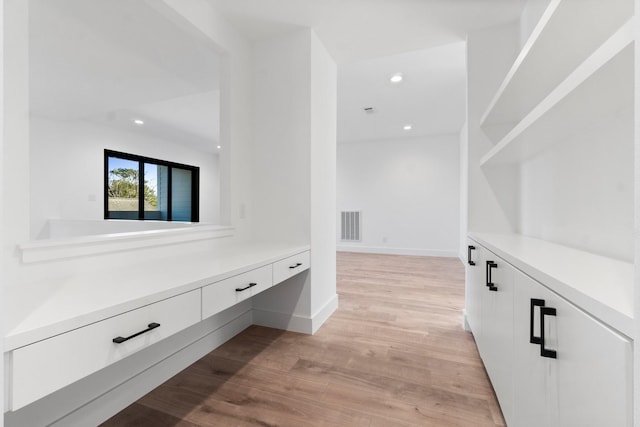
(396, 78)
(218, 147)
(407, 127)
(138, 122)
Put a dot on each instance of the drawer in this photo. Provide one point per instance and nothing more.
(291, 266)
(46, 366)
(225, 293)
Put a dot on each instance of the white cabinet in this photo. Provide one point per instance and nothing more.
(497, 329)
(550, 362)
(290, 266)
(225, 293)
(42, 360)
(490, 315)
(43, 367)
(474, 287)
(577, 372)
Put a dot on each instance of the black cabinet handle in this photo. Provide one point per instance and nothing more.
(534, 303)
(298, 264)
(250, 285)
(469, 261)
(489, 282)
(150, 326)
(544, 352)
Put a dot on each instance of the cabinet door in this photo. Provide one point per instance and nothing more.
(594, 383)
(532, 373)
(496, 346)
(474, 287)
(588, 383)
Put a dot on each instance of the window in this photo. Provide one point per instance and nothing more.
(137, 187)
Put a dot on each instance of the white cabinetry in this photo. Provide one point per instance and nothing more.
(45, 356)
(490, 317)
(551, 363)
(48, 365)
(475, 288)
(290, 266)
(579, 375)
(497, 329)
(222, 295)
(551, 192)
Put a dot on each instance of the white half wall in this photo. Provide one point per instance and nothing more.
(294, 172)
(67, 176)
(324, 83)
(408, 191)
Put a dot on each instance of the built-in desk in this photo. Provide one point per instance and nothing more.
(68, 326)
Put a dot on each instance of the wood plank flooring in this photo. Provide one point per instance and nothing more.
(393, 354)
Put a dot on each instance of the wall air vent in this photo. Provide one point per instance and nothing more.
(350, 226)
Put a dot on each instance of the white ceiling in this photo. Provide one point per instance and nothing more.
(353, 30)
(112, 61)
(430, 98)
(373, 39)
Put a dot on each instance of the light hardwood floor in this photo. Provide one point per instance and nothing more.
(393, 354)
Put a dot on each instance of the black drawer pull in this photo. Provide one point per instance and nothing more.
(150, 326)
(534, 303)
(469, 261)
(250, 285)
(546, 311)
(489, 282)
(298, 264)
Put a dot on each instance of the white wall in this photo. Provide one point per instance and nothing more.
(492, 193)
(558, 187)
(294, 173)
(408, 191)
(67, 176)
(464, 190)
(281, 154)
(15, 146)
(2, 261)
(636, 312)
(324, 104)
(236, 129)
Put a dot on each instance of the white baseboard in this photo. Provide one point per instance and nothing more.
(465, 321)
(293, 322)
(398, 251)
(324, 313)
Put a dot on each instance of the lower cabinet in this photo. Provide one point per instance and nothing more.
(571, 369)
(497, 329)
(225, 293)
(48, 365)
(43, 367)
(550, 363)
(490, 316)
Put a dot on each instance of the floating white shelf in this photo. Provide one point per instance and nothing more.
(597, 88)
(567, 33)
(600, 285)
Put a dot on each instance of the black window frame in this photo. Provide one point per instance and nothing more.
(195, 184)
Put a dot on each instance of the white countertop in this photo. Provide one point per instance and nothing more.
(599, 285)
(36, 310)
